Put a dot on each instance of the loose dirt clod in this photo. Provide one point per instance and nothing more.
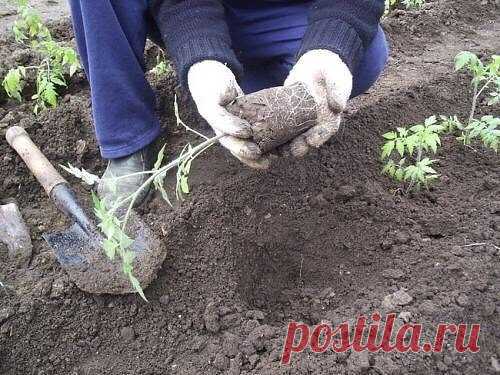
(399, 298)
(276, 115)
(15, 234)
(211, 318)
(358, 363)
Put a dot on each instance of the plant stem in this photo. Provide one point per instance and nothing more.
(130, 175)
(174, 163)
(474, 103)
(180, 122)
(475, 97)
(485, 86)
(419, 158)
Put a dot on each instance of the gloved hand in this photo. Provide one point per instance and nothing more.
(213, 86)
(329, 81)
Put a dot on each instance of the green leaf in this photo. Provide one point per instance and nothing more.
(108, 226)
(96, 201)
(390, 135)
(495, 99)
(137, 286)
(399, 175)
(387, 149)
(110, 246)
(431, 141)
(417, 128)
(491, 121)
(158, 184)
(13, 83)
(402, 132)
(58, 81)
(123, 240)
(427, 169)
(184, 185)
(186, 166)
(436, 128)
(128, 257)
(430, 121)
(462, 59)
(400, 147)
(387, 167)
(159, 158)
(410, 144)
(87, 177)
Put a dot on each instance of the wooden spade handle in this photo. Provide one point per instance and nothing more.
(37, 163)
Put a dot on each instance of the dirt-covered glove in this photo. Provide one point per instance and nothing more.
(213, 86)
(329, 81)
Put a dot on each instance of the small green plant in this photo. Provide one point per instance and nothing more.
(485, 78)
(13, 82)
(117, 242)
(162, 66)
(29, 26)
(57, 60)
(486, 129)
(409, 4)
(114, 226)
(419, 140)
(406, 151)
(413, 4)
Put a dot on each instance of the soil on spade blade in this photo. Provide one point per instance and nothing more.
(324, 238)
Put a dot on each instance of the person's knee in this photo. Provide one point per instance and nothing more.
(372, 64)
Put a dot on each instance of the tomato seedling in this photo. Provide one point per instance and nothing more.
(162, 66)
(485, 78)
(424, 138)
(114, 225)
(409, 4)
(57, 60)
(406, 151)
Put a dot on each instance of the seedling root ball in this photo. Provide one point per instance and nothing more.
(276, 115)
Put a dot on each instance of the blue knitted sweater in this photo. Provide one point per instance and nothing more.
(195, 30)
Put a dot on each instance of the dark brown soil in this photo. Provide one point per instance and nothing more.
(323, 238)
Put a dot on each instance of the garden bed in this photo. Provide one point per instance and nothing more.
(322, 238)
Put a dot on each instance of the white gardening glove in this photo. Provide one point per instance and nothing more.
(213, 86)
(329, 81)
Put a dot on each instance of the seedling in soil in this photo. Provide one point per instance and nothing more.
(485, 77)
(117, 242)
(424, 138)
(162, 66)
(57, 60)
(409, 4)
(413, 4)
(114, 225)
(406, 153)
(29, 26)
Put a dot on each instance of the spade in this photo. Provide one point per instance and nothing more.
(78, 249)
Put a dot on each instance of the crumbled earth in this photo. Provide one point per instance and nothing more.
(325, 238)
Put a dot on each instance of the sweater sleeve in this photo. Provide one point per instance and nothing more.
(345, 27)
(193, 31)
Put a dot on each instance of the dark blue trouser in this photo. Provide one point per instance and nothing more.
(111, 36)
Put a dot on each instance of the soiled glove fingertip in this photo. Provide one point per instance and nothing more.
(245, 131)
(299, 147)
(251, 151)
(260, 164)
